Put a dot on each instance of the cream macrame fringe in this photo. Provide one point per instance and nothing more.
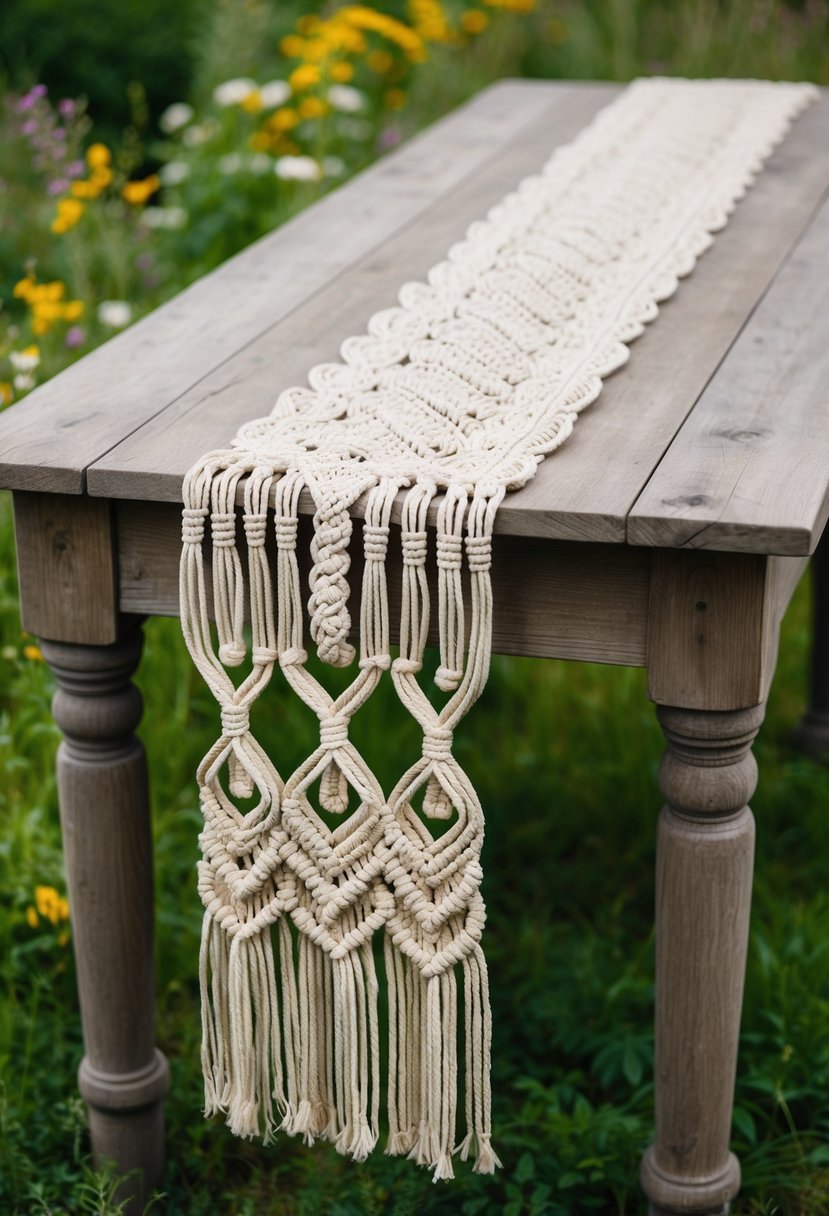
(457, 393)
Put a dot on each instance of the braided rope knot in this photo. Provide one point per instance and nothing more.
(375, 542)
(333, 732)
(235, 720)
(414, 548)
(449, 551)
(223, 529)
(256, 527)
(479, 552)
(437, 743)
(285, 526)
(192, 525)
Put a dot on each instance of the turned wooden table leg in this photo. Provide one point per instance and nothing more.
(102, 786)
(704, 871)
(812, 731)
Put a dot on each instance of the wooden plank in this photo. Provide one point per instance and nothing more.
(750, 466)
(151, 463)
(565, 601)
(66, 568)
(48, 442)
(585, 491)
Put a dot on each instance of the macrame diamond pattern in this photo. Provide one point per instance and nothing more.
(458, 392)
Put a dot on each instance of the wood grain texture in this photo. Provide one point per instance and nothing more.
(586, 489)
(705, 854)
(66, 567)
(102, 789)
(750, 466)
(551, 600)
(714, 624)
(48, 442)
(152, 462)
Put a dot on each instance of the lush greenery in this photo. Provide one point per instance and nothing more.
(95, 228)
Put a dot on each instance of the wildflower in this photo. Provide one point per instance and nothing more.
(25, 360)
(137, 193)
(72, 310)
(199, 134)
(175, 117)
(67, 107)
(252, 104)
(32, 653)
(115, 314)
(292, 46)
(304, 77)
(164, 217)
(341, 71)
(259, 164)
(312, 107)
(6, 393)
(174, 172)
(70, 211)
(75, 336)
(233, 92)
(51, 905)
(473, 21)
(359, 16)
(98, 156)
(394, 99)
(283, 120)
(274, 93)
(23, 381)
(31, 917)
(229, 164)
(380, 61)
(63, 938)
(297, 168)
(345, 98)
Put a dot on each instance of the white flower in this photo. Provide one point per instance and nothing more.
(229, 164)
(297, 169)
(233, 92)
(344, 97)
(24, 381)
(175, 117)
(174, 172)
(274, 93)
(24, 360)
(259, 163)
(355, 128)
(114, 313)
(333, 166)
(164, 217)
(198, 134)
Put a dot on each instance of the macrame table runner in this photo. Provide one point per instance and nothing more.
(457, 393)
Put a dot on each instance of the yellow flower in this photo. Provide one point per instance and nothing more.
(32, 351)
(341, 71)
(380, 61)
(394, 99)
(307, 24)
(34, 654)
(283, 119)
(23, 288)
(6, 393)
(73, 310)
(253, 102)
(63, 938)
(260, 141)
(31, 917)
(304, 77)
(473, 21)
(98, 156)
(312, 107)
(70, 211)
(361, 17)
(292, 46)
(51, 905)
(138, 192)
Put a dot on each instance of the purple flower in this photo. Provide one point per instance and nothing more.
(59, 133)
(389, 137)
(75, 168)
(75, 336)
(59, 186)
(66, 107)
(29, 127)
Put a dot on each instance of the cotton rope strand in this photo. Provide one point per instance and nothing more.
(456, 394)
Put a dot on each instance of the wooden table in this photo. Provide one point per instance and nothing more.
(669, 532)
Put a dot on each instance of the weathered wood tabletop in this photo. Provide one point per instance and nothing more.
(668, 532)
